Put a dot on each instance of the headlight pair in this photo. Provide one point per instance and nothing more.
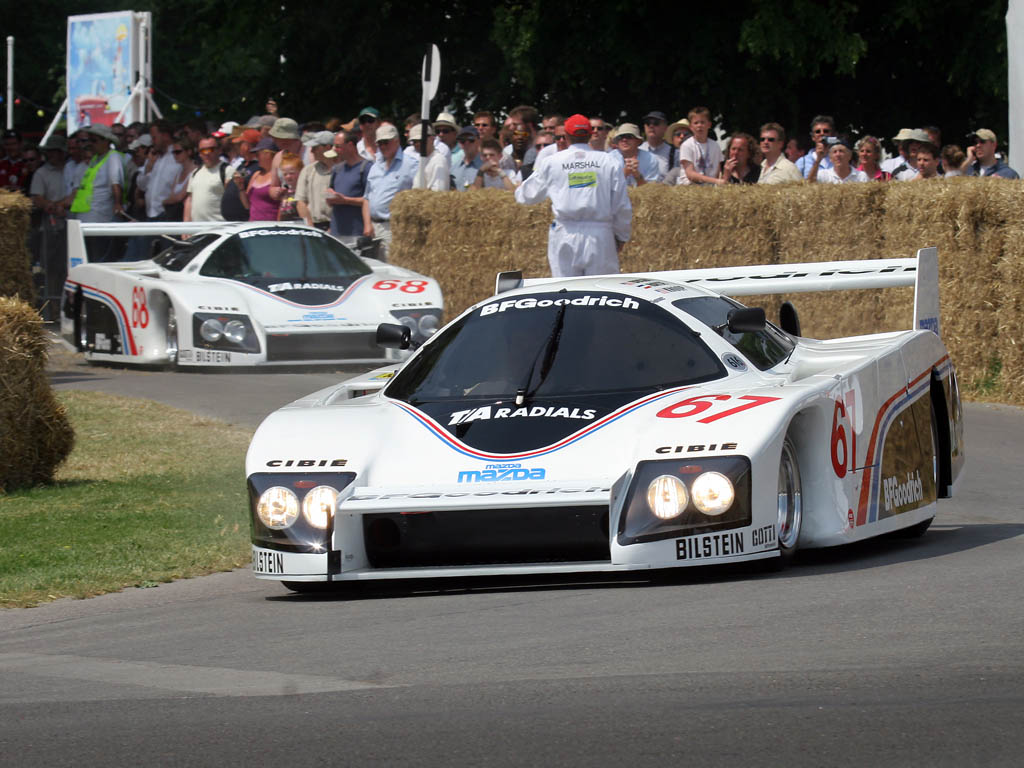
(294, 511)
(670, 498)
(278, 507)
(712, 494)
(229, 332)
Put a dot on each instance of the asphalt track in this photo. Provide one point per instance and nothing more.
(894, 653)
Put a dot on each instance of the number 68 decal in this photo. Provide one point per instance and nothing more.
(140, 312)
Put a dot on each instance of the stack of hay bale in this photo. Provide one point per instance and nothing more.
(35, 436)
(463, 239)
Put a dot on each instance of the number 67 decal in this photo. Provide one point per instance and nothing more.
(843, 450)
(696, 405)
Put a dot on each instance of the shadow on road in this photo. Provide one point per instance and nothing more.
(939, 541)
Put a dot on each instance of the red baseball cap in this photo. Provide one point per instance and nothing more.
(578, 125)
(249, 136)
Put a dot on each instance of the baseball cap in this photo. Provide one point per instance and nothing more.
(983, 134)
(249, 136)
(656, 116)
(285, 128)
(318, 139)
(577, 125)
(265, 143)
(416, 132)
(145, 140)
(371, 111)
(268, 120)
(469, 130)
(628, 129)
(387, 131)
(225, 129)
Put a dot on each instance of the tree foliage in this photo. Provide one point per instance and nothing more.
(875, 66)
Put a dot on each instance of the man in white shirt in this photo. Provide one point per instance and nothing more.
(206, 186)
(776, 168)
(434, 172)
(157, 177)
(590, 202)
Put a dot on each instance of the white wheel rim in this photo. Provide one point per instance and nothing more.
(790, 507)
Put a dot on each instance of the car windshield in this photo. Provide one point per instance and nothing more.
(181, 252)
(551, 345)
(278, 253)
(763, 348)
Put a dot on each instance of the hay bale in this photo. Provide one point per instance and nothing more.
(35, 435)
(464, 238)
(15, 262)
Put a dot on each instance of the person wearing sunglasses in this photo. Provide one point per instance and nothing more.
(982, 159)
(775, 167)
(98, 196)
(485, 125)
(822, 127)
(655, 127)
(434, 169)
(465, 171)
(205, 188)
(369, 122)
(447, 131)
(599, 134)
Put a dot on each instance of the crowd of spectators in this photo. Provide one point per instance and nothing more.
(342, 177)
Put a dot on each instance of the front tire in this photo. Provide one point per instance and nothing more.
(171, 337)
(81, 323)
(790, 504)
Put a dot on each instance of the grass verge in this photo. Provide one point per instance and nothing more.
(149, 494)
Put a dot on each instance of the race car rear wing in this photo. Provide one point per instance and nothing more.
(922, 272)
(78, 231)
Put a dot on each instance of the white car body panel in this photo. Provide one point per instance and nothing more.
(854, 408)
(140, 295)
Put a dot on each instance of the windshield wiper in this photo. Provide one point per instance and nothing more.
(545, 356)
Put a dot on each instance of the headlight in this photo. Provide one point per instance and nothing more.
(234, 331)
(408, 322)
(666, 497)
(713, 493)
(211, 330)
(318, 506)
(278, 507)
(428, 325)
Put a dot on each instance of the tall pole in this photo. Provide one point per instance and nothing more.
(10, 82)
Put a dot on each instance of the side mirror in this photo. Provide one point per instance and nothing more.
(747, 320)
(394, 336)
(789, 320)
(508, 281)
